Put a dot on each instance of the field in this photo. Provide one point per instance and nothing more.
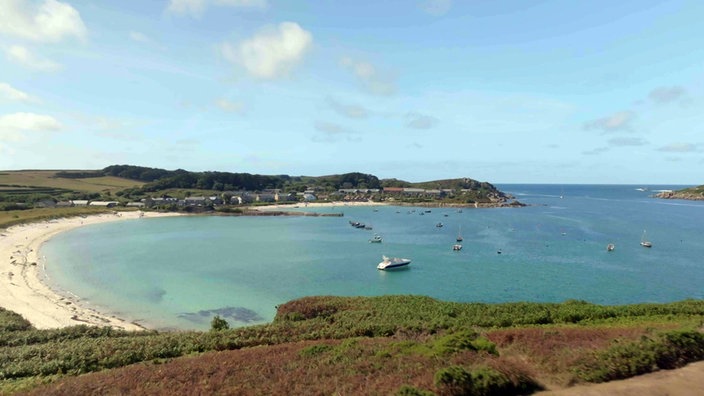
(405, 345)
(48, 179)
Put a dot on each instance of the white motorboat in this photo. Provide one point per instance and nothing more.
(392, 263)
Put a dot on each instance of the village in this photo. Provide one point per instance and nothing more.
(275, 196)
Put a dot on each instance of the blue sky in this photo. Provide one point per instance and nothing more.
(499, 91)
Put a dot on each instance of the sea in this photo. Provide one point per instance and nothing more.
(178, 272)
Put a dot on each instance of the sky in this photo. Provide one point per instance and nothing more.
(504, 91)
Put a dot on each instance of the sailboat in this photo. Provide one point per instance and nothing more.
(459, 235)
(644, 242)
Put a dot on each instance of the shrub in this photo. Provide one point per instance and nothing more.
(218, 324)
(464, 340)
(481, 381)
(315, 350)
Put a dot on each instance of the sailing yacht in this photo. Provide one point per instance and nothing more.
(459, 235)
(644, 242)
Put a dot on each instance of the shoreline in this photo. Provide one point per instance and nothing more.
(23, 288)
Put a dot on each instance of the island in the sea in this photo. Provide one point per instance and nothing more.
(184, 191)
(692, 193)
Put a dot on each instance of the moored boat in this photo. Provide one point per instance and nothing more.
(392, 263)
(644, 242)
(457, 247)
(375, 239)
(610, 247)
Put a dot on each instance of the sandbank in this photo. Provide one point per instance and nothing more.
(22, 289)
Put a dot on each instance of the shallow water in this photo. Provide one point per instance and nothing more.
(178, 272)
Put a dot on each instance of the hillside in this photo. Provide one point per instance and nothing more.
(408, 345)
(129, 183)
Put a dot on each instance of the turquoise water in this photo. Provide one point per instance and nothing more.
(179, 272)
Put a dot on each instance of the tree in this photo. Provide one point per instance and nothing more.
(218, 324)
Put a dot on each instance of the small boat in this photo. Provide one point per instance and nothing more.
(392, 263)
(459, 235)
(610, 247)
(644, 242)
(457, 247)
(438, 225)
(375, 239)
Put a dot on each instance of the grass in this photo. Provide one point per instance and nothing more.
(356, 345)
(48, 179)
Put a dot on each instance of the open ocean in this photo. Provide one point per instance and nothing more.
(176, 273)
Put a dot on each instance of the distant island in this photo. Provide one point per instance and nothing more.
(180, 190)
(692, 193)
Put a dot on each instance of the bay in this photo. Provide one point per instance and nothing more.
(176, 273)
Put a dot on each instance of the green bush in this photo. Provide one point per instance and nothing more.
(623, 360)
(315, 350)
(481, 381)
(218, 324)
(464, 340)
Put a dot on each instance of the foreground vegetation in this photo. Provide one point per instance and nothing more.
(409, 345)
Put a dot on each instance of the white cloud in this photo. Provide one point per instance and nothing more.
(331, 133)
(627, 141)
(420, 121)
(139, 37)
(9, 92)
(254, 4)
(436, 7)
(25, 57)
(12, 125)
(229, 106)
(52, 21)
(664, 95)
(348, 110)
(679, 148)
(271, 53)
(196, 8)
(372, 80)
(182, 7)
(615, 122)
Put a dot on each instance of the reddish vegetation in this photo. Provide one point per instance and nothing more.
(356, 366)
(551, 351)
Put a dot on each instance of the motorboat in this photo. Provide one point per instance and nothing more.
(375, 239)
(392, 263)
(610, 247)
(457, 247)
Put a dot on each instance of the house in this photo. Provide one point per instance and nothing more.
(266, 197)
(105, 204)
(194, 201)
(79, 202)
(135, 204)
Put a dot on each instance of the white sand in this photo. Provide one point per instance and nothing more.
(21, 287)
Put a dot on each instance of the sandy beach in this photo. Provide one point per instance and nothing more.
(22, 289)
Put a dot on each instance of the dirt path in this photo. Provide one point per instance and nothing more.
(687, 381)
